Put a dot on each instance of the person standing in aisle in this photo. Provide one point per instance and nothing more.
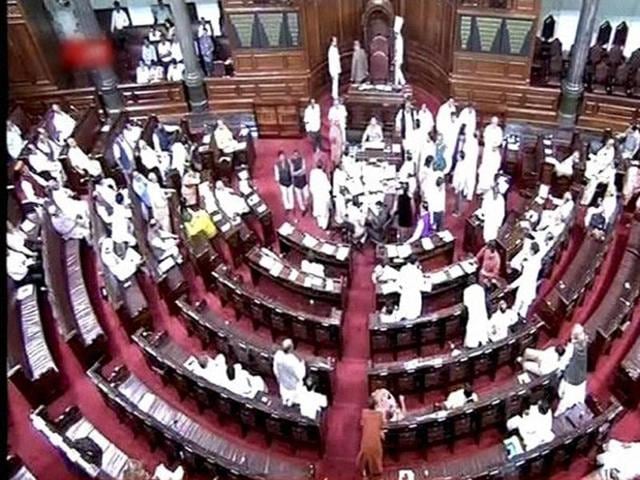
(282, 173)
(299, 173)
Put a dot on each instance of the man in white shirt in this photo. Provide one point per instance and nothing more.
(175, 73)
(445, 113)
(410, 283)
(163, 243)
(313, 123)
(15, 142)
(119, 18)
(20, 267)
(500, 322)
(164, 51)
(290, 371)
(335, 68)
(477, 329)
(534, 425)
(176, 51)
(425, 121)
(81, 161)
(143, 75)
(437, 200)
(543, 362)
(149, 53)
(527, 282)
(225, 140)
(618, 461)
(459, 398)
(123, 266)
(156, 73)
(320, 189)
(62, 124)
(69, 226)
(232, 204)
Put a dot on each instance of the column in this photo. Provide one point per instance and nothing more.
(193, 77)
(104, 79)
(573, 85)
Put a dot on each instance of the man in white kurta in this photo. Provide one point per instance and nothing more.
(500, 322)
(464, 175)
(564, 168)
(340, 203)
(224, 139)
(477, 330)
(159, 203)
(468, 119)
(313, 123)
(399, 52)
(63, 123)
(373, 134)
(320, 189)
(600, 169)
(425, 122)
(15, 142)
(534, 425)
(445, 113)
(335, 68)
(289, 371)
(492, 211)
(232, 204)
(460, 397)
(81, 161)
(619, 460)
(527, 282)
(410, 283)
(123, 267)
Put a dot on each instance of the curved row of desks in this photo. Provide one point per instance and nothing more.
(265, 412)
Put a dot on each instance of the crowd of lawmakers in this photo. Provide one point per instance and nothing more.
(344, 191)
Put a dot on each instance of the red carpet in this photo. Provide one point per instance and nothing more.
(343, 432)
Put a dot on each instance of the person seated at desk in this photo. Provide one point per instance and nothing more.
(23, 269)
(163, 137)
(477, 329)
(69, 226)
(241, 382)
(151, 160)
(175, 72)
(595, 220)
(198, 221)
(373, 135)
(389, 313)
(500, 322)
(156, 72)
(164, 51)
(135, 470)
(630, 142)
(155, 34)
(143, 74)
(163, 243)
(225, 140)
(15, 142)
(600, 170)
(572, 389)
(17, 236)
(163, 473)
(290, 371)
(564, 168)
(66, 201)
(121, 260)
(149, 52)
(386, 403)
(618, 461)
(232, 204)
(543, 362)
(81, 161)
(176, 51)
(48, 145)
(461, 397)
(490, 264)
(46, 168)
(170, 28)
(534, 425)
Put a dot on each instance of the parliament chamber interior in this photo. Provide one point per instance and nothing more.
(323, 239)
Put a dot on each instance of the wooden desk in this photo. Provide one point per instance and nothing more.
(281, 319)
(265, 412)
(250, 349)
(432, 252)
(426, 427)
(184, 438)
(327, 289)
(447, 283)
(335, 255)
(364, 104)
(569, 292)
(257, 205)
(428, 373)
(473, 234)
(626, 384)
(491, 463)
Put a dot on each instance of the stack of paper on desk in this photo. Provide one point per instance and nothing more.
(286, 229)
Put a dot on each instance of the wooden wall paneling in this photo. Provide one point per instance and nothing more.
(163, 98)
(28, 66)
(37, 102)
(604, 111)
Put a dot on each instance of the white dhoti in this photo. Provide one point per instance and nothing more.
(570, 395)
